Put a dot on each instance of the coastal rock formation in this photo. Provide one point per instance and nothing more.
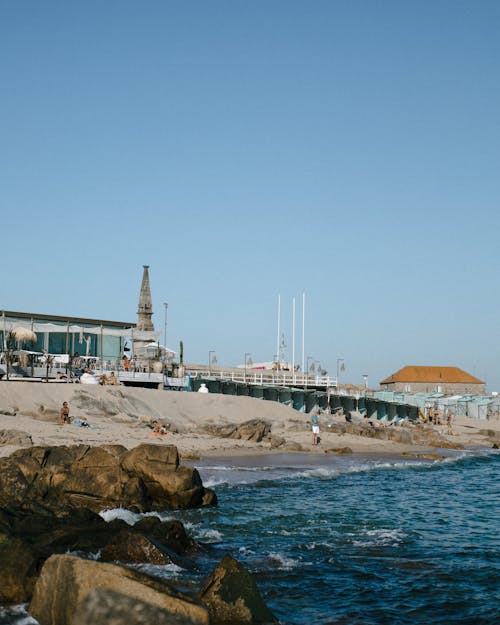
(254, 430)
(15, 437)
(28, 538)
(107, 607)
(146, 478)
(65, 581)
(232, 596)
(131, 547)
(338, 450)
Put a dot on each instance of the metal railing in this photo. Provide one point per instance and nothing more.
(269, 378)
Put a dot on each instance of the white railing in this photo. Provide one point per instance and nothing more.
(270, 378)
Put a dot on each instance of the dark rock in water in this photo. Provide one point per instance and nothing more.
(232, 596)
(28, 538)
(254, 430)
(107, 607)
(65, 581)
(15, 437)
(172, 534)
(18, 570)
(130, 547)
(148, 477)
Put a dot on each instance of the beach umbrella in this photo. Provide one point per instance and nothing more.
(23, 335)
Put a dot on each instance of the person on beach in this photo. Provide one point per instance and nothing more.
(448, 423)
(65, 418)
(315, 426)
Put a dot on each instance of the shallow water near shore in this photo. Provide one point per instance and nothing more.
(353, 539)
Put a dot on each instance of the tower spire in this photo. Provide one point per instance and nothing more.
(145, 309)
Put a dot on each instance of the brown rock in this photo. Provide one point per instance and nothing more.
(107, 607)
(17, 570)
(254, 430)
(131, 547)
(338, 450)
(15, 437)
(65, 581)
(148, 477)
(277, 441)
(232, 596)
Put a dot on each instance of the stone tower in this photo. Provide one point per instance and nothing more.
(145, 310)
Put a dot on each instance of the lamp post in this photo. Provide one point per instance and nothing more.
(165, 329)
(246, 354)
(212, 351)
(365, 381)
(340, 367)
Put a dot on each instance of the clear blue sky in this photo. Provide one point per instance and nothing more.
(350, 150)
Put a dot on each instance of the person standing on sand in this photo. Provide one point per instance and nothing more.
(65, 418)
(315, 426)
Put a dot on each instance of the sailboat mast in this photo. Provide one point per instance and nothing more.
(303, 330)
(279, 330)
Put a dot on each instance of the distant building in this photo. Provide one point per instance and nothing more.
(446, 380)
(57, 334)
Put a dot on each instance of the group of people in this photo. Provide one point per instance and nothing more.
(158, 428)
(108, 379)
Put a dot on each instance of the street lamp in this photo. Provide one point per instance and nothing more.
(165, 330)
(212, 351)
(365, 380)
(246, 354)
(340, 367)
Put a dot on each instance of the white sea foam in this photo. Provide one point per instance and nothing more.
(85, 554)
(381, 537)
(281, 562)
(131, 518)
(208, 535)
(167, 571)
(17, 615)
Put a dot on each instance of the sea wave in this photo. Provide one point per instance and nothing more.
(281, 562)
(16, 615)
(381, 537)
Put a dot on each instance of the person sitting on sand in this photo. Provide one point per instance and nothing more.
(158, 429)
(113, 379)
(65, 418)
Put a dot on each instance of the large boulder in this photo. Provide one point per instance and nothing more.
(232, 596)
(28, 538)
(15, 437)
(65, 581)
(130, 547)
(254, 430)
(17, 570)
(107, 607)
(146, 478)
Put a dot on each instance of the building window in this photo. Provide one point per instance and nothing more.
(407, 388)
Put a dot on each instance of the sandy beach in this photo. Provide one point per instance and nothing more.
(120, 415)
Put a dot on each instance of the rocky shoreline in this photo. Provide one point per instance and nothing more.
(57, 553)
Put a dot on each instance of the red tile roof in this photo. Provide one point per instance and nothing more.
(444, 375)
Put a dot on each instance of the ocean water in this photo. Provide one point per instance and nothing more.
(354, 540)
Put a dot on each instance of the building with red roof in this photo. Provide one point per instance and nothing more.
(424, 379)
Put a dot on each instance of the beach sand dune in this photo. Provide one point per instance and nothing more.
(120, 415)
